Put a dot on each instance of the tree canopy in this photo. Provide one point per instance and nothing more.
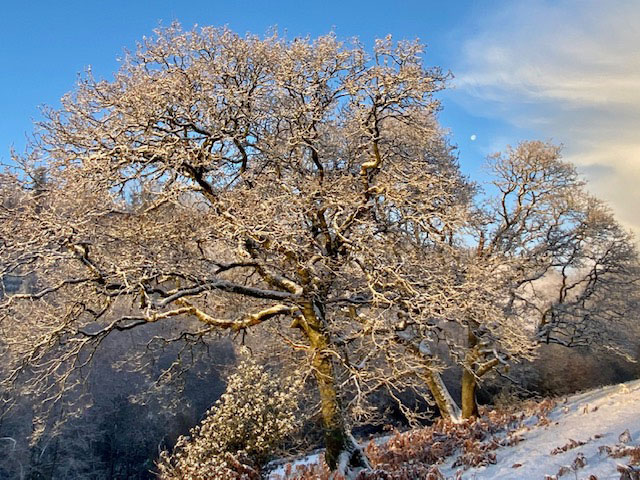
(302, 187)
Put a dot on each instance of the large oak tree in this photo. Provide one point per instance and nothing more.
(222, 182)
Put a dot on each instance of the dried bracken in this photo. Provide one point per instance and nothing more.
(571, 444)
(628, 472)
(620, 451)
(418, 452)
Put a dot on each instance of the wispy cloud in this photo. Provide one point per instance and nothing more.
(570, 71)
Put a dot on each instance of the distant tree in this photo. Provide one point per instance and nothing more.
(221, 183)
(551, 265)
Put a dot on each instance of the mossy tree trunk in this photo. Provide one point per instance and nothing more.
(469, 379)
(446, 404)
(469, 402)
(475, 367)
(338, 440)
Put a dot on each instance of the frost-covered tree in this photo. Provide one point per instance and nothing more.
(224, 183)
(550, 265)
(240, 433)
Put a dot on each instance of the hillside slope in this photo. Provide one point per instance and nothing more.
(589, 436)
(607, 418)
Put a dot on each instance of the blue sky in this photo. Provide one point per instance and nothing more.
(562, 70)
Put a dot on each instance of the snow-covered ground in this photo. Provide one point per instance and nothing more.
(597, 417)
(578, 432)
(279, 472)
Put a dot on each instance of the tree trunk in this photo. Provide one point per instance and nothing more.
(469, 381)
(446, 404)
(469, 403)
(342, 451)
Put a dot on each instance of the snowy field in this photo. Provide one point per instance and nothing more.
(580, 433)
(598, 418)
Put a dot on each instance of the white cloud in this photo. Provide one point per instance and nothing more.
(569, 71)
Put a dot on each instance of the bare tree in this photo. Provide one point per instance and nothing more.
(222, 182)
(550, 264)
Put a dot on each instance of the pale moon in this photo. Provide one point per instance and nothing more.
(473, 137)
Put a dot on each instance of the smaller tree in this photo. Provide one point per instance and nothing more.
(240, 433)
(550, 265)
